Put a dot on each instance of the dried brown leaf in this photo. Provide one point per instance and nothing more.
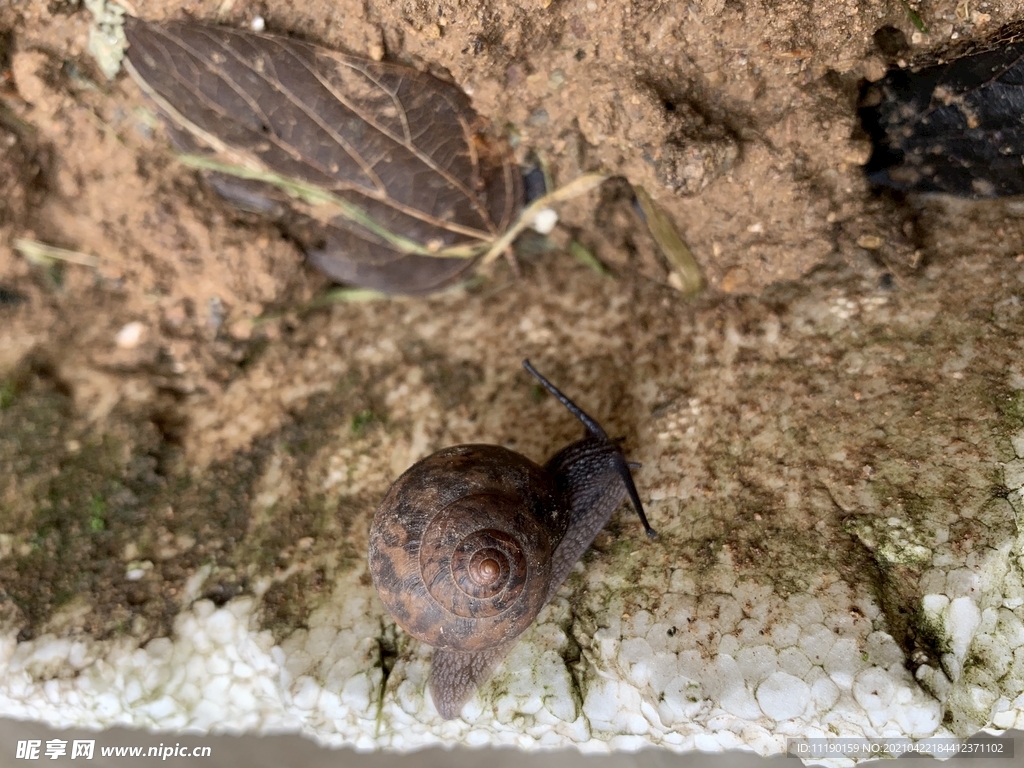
(399, 145)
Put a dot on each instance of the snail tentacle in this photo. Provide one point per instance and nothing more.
(622, 467)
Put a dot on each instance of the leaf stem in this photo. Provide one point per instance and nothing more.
(314, 195)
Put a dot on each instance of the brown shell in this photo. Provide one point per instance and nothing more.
(461, 546)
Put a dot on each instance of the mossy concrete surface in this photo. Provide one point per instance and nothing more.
(831, 469)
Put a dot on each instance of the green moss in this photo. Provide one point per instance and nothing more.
(80, 500)
(1011, 407)
(363, 420)
(8, 392)
(931, 634)
(97, 513)
(71, 551)
(287, 604)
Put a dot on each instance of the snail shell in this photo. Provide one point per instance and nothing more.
(462, 546)
(470, 543)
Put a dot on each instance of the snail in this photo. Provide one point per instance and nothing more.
(470, 543)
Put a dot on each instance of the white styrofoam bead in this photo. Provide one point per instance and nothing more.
(783, 696)
(704, 672)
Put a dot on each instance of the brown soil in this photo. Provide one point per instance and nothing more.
(737, 115)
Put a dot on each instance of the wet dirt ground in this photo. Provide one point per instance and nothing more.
(739, 117)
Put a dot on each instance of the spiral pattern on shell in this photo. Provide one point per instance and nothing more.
(460, 547)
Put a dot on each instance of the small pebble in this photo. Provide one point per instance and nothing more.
(736, 279)
(130, 335)
(538, 118)
(258, 24)
(545, 221)
(216, 317)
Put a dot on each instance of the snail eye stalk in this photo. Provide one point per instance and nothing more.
(621, 465)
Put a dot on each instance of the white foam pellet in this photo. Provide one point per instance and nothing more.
(756, 663)
(920, 718)
(795, 662)
(132, 691)
(816, 641)
(52, 691)
(220, 627)
(729, 646)
(188, 694)
(257, 24)
(601, 704)
(306, 695)
(159, 649)
(961, 622)
(410, 697)
(806, 610)
(627, 743)
(478, 738)
(241, 696)
(154, 677)
(203, 609)
(161, 709)
(783, 696)
(962, 582)
(530, 704)
(824, 693)
(1013, 473)
(206, 715)
(195, 669)
(108, 706)
(544, 221)
(217, 665)
(320, 640)
(873, 689)
(732, 692)
(934, 604)
(216, 690)
(357, 693)
(680, 701)
(78, 655)
(785, 634)
(844, 662)
(883, 650)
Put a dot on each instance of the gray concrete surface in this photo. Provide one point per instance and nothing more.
(291, 750)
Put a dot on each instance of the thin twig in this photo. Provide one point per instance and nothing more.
(44, 254)
(490, 247)
(574, 188)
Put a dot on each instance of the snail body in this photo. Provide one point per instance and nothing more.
(471, 542)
